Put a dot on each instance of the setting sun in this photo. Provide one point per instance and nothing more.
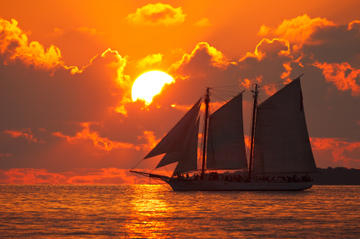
(149, 84)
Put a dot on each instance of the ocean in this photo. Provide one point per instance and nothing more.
(155, 211)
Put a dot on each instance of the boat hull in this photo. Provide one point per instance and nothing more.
(204, 185)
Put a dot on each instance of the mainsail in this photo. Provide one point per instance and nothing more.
(281, 143)
(226, 146)
(180, 144)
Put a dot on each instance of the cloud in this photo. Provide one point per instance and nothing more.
(334, 50)
(340, 152)
(88, 30)
(270, 63)
(272, 47)
(334, 44)
(78, 43)
(196, 70)
(30, 176)
(83, 176)
(203, 22)
(27, 134)
(150, 60)
(106, 176)
(202, 58)
(353, 25)
(98, 141)
(318, 39)
(14, 45)
(157, 14)
(5, 155)
(205, 66)
(57, 32)
(38, 99)
(342, 75)
(150, 140)
(296, 30)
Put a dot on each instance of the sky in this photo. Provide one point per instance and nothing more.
(67, 70)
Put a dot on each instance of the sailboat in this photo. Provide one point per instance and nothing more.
(280, 155)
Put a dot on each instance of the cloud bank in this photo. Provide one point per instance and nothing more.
(66, 124)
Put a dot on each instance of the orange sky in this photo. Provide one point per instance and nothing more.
(67, 69)
(83, 30)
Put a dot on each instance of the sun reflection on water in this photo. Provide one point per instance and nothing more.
(149, 210)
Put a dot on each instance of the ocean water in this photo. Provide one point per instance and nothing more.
(154, 211)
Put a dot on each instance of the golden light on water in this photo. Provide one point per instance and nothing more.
(150, 206)
(149, 84)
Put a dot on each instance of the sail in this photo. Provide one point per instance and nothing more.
(173, 141)
(281, 143)
(187, 157)
(226, 146)
(169, 158)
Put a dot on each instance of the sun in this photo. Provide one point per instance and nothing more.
(149, 84)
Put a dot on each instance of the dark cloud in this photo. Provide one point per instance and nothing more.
(37, 99)
(334, 44)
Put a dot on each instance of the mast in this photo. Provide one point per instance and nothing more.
(255, 92)
(207, 100)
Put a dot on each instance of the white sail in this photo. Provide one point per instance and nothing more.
(226, 146)
(174, 140)
(281, 143)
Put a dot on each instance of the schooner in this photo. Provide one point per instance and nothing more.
(280, 156)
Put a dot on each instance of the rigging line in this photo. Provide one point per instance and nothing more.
(228, 92)
(225, 86)
(233, 91)
(280, 83)
(225, 89)
(216, 95)
(221, 98)
(276, 83)
(137, 164)
(271, 84)
(232, 88)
